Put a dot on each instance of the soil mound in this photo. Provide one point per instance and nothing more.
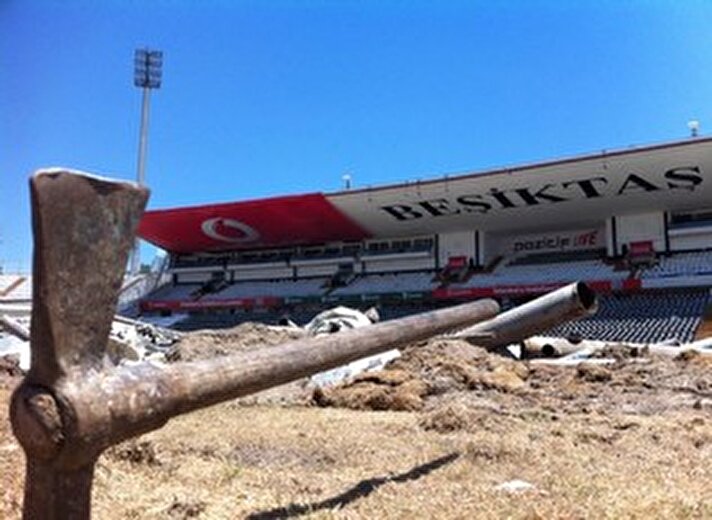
(448, 378)
(10, 371)
(392, 389)
(206, 344)
(435, 368)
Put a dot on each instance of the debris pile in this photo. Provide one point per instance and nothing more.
(456, 383)
(136, 341)
(344, 318)
(208, 343)
(432, 369)
(10, 365)
(384, 390)
(130, 341)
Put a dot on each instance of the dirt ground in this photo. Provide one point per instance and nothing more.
(435, 435)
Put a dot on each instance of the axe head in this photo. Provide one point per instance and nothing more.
(84, 229)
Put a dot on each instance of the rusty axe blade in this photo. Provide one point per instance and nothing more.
(83, 231)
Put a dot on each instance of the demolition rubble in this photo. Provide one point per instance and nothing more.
(130, 341)
(512, 334)
(542, 393)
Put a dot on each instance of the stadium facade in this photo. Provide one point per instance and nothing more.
(625, 221)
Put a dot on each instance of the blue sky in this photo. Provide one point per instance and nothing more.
(279, 97)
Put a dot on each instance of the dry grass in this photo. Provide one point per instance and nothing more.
(632, 442)
(266, 462)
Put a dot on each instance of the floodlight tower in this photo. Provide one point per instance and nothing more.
(148, 66)
(694, 126)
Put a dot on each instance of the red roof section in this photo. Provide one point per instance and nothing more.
(279, 221)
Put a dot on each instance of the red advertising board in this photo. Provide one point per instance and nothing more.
(187, 305)
(464, 293)
(600, 286)
(292, 220)
(631, 285)
(457, 261)
(643, 247)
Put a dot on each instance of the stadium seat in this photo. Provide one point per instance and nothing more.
(642, 318)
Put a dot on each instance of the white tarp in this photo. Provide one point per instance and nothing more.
(344, 318)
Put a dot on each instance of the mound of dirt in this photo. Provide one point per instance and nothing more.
(383, 390)
(593, 373)
(206, 344)
(433, 376)
(455, 416)
(435, 368)
(10, 371)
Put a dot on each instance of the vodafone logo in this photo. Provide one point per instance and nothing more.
(229, 230)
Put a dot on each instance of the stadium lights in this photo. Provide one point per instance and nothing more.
(148, 71)
(147, 68)
(694, 126)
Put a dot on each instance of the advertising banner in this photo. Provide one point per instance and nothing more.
(233, 303)
(600, 286)
(291, 220)
(552, 242)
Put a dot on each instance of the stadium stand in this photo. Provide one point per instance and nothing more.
(647, 316)
(522, 271)
(175, 292)
(641, 314)
(642, 318)
(682, 264)
(636, 232)
(388, 283)
(279, 288)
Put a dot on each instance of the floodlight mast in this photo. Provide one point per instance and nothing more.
(148, 71)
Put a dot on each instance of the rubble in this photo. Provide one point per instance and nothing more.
(455, 382)
(136, 341)
(130, 341)
(563, 351)
(396, 390)
(439, 367)
(340, 318)
(344, 318)
(10, 365)
(11, 347)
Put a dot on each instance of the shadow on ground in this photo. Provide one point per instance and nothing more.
(361, 490)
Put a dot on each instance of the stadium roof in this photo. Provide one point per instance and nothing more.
(567, 192)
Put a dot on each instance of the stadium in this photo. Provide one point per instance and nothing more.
(634, 223)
